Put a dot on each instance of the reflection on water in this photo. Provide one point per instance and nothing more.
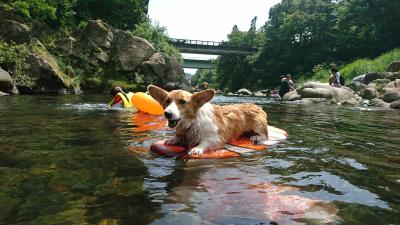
(72, 160)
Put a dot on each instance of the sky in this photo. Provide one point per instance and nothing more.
(207, 20)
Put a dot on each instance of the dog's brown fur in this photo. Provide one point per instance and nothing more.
(210, 125)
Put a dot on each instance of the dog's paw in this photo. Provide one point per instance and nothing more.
(196, 151)
(257, 139)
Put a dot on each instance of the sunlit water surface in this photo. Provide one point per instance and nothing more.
(72, 160)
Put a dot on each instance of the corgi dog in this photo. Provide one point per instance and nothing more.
(207, 126)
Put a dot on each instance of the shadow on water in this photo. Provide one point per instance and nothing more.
(72, 160)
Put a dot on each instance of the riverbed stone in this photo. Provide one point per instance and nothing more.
(377, 102)
(316, 93)
(392, 75)
(357, 86)
(3, 93)
(369, 77)
(291, 96)
(244, 91)
(391, 94)
(395, 105)
(393, 84)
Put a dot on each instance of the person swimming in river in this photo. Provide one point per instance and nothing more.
(120, 98)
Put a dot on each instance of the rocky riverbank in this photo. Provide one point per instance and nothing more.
(89, 59)
(371, 89)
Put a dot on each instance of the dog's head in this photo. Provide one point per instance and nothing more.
(179, 104)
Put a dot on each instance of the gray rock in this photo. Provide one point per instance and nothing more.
(391, 94)
(161, 69)
(377, 102)
(291, 96)
(392, 75)
(244, 91)
(45, 70)
(357, 86)
(394, 67)
(317, 93)
(313, 100)
(3, 94)
(259, 94)
(381, 81)
(129, 51)
(369, 93)
(65, 46)
(11, 30)
(373, 76)
(99, 33)
(395, 105)
(6, 81)
(359, 78)
(393, 84)
(332, 94)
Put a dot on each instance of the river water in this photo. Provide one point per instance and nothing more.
(71, 160)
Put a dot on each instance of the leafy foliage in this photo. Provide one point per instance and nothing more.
(13, 59)
(67, 14)
(303, 37)
(157, 36)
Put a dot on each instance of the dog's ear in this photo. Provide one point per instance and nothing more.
(200, 98)
(157, 93)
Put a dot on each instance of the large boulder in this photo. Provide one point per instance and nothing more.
(316, 90)
(12, 27)
(326, 93)
(161, 69)
(130, 51)
(394, 67)
(99, 33)
(45, 70)
(291, 96)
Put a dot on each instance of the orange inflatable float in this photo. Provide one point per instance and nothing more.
(235, 148)
(146, 103)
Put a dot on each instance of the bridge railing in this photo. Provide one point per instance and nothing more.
(211, 44)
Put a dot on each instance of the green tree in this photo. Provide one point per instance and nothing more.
(123, 14)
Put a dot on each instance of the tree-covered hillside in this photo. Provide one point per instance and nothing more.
(301, 34)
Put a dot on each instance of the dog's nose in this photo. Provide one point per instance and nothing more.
(167, 114)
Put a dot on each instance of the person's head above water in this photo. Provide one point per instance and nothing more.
(115, 90)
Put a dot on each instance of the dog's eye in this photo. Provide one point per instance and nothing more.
(181, 102)
(168, 101)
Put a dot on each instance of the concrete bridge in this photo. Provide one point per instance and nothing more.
(212, 47)
(208, 48)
